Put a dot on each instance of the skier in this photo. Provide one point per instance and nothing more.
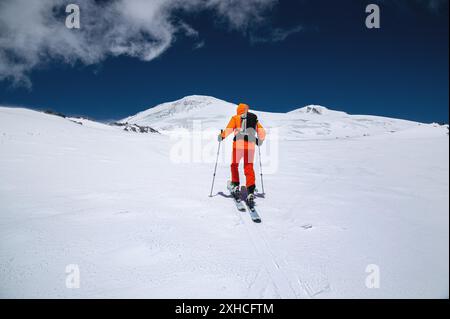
(247, 132)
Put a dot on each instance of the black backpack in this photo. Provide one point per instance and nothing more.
(247, 132)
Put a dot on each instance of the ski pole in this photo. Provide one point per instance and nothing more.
(215, 167)
(260, 169)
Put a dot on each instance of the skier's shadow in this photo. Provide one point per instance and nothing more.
(243, 195)
(224, 195)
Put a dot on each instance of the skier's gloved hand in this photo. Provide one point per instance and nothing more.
(259, 142)
(219, 137)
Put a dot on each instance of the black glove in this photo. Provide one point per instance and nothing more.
(219, 138)
(259, 142)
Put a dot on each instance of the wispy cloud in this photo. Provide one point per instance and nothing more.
(199, 45)
(276, 34)
(32, 33)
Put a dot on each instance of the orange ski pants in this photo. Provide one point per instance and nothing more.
(248, 154)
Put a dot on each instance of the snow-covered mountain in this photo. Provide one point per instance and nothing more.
(309, 122)
(182, 113)
(136, 223)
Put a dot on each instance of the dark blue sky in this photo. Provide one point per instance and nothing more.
(400, 70)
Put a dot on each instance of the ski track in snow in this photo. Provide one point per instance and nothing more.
(141, 226)
(280, 276)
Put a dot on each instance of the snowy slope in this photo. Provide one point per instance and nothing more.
(139, 224)
(309, 122)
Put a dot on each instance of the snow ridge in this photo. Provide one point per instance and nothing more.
(311, 121)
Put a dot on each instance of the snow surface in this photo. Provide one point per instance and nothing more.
(347, 191)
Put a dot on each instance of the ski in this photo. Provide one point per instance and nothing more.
(239, 205)
(254, 214)
(237, 200)
(251, 208)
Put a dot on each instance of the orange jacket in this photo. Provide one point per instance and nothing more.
(235, 124)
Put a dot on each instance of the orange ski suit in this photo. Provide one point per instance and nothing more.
(243, 149)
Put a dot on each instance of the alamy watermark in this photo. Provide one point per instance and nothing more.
(199, 145)
(73, 17)
(72, 276)
(373, 278)
(373, 20)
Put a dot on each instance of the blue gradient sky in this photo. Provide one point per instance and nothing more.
(400, 70)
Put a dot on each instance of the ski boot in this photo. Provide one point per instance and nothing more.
(251, 196)
(250, 200)
(235, 191)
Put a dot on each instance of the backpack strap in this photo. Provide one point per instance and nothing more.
(247, 131)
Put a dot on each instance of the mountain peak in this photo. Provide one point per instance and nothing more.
(199, 98)
(317, 110)
(183, 107)
(189, 103)
(312, 109)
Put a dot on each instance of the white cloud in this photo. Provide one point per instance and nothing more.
(241, 14)
(276, 34)
(32, 33)
(199, 45)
